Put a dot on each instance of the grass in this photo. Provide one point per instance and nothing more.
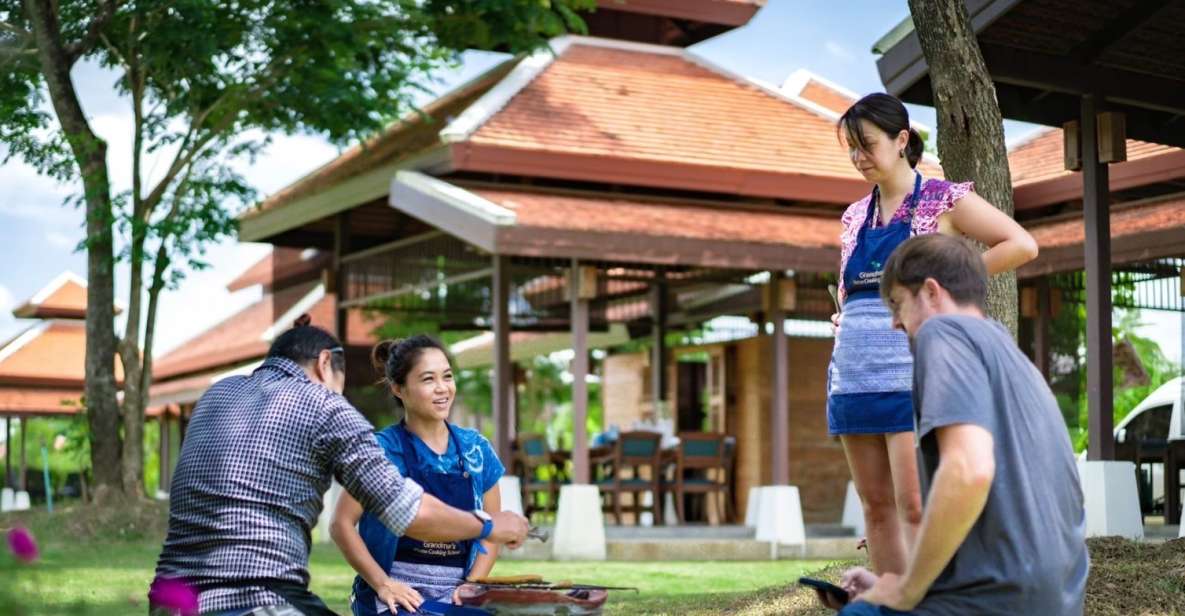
(97, 563)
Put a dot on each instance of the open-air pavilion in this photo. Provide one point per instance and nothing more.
(1105, 71)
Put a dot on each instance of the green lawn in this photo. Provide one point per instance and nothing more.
(111, 577)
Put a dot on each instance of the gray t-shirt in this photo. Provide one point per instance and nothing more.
(1026, 554)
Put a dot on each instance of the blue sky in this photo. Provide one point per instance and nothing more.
(832, 39)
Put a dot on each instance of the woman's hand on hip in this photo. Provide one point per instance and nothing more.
(835, 319)
(393, 592)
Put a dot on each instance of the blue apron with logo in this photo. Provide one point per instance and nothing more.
(419, 563)
(871, 373)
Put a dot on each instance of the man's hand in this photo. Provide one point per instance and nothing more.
(392, 592)
(889, 591)
(857, 580)
(510, 529)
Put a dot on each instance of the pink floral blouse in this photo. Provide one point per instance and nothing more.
(937, 198)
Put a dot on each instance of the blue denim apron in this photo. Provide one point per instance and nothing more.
(418, 563)
(871, 373)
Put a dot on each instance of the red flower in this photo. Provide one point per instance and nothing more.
(179, 598)
(22, 544)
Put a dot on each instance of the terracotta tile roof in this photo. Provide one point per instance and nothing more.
(826, 97)
(1125, 221)
(259, 273)
(240, 338)
(1139, 232)
(643, 218)
(643, 105)
(51, 351)
(64, 297)
(282, 267)
(692, 233)
(39, 401)
(1041, 157)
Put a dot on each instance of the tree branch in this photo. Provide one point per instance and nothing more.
(93, 31)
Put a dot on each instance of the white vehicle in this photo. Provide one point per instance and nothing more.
(1146, 431)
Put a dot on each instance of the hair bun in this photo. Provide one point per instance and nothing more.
(303, 320)
(380, 354)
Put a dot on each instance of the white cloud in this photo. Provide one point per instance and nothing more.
(838, 51)
(202, 300)
(8, 323)
(58, 239)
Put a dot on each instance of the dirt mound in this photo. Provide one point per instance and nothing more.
(1126, 579)
(123, 522)
(1130, 579)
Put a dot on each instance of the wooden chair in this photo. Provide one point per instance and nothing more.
(533, 464)
(636, 451)
(700, 468)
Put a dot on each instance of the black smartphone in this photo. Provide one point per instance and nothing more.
(835, 592)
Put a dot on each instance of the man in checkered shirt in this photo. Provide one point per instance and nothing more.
(259, 454)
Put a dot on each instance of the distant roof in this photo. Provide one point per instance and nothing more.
(1139, 232)
(64, 298)
(50, 352)
(1039, 176)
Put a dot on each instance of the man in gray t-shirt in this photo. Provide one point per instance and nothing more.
(1003, 524)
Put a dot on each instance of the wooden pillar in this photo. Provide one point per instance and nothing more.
(341, 247)
(658, 362)
(1099, 362)
(503, 378)
(165, 435)
(22, 480)
(8, 451)
(579, 311)
(1041, 327)
(780, 398)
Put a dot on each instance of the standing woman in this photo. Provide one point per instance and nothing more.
(869, 404)
(456, 465)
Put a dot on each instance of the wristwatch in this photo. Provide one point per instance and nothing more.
(487, 527)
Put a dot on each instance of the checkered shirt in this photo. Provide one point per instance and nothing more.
(259, 455)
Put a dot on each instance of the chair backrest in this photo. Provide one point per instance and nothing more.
(700, 450)
(638, 448)
(531, 450)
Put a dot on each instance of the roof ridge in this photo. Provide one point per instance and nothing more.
(496, 98)
(801, 77)
(58, 281)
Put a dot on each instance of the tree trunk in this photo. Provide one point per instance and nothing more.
(90, 153)
(970, 128)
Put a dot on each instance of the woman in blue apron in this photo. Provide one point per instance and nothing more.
(398, 575)
(869, 403)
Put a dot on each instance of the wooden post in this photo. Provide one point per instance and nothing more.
(503, 377)
(341, 246)
(780, 408)
(579, 311)
(1099, 361)
(165, 435)
(8, 451)
(1041, 328)
(22, 480)
(658, 361)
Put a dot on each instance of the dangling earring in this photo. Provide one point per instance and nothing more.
(900, 153)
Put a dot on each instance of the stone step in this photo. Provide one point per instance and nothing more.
(695, 549)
